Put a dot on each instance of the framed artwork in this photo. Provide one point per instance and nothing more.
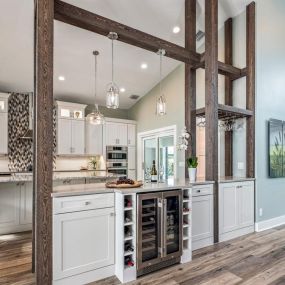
(276, 148)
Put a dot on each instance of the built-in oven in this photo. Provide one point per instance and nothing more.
(117, 160)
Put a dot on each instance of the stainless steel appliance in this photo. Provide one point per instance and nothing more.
(117, 160)
(159, 230)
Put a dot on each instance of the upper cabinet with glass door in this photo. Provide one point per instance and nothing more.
(66, 110)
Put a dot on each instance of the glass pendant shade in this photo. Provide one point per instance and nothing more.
(96, 117)
(161, 106)
(112, 99)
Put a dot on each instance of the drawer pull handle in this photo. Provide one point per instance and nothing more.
(87, 203)
(198, 191)
(112, 214)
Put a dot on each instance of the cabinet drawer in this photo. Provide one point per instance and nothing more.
(82, 203)
(201, 190)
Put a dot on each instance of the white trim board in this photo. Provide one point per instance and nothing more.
(269, 224)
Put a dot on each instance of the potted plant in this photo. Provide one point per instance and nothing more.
(192, 163)
(93, 163)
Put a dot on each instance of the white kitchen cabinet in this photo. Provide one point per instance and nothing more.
(202, 217)
(26, 203)
(116, 134)
(83, 241)
(236, 209)
(70, 128)
(132, 162)
(70, 137)
(131, 135)
(77, 137)
(16, 207)
(4, 133)
(93, 139)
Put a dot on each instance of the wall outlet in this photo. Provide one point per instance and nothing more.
(260, 212)
(240, 166)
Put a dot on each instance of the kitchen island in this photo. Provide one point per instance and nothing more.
(98, 231)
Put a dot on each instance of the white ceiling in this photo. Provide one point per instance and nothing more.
(73, 47)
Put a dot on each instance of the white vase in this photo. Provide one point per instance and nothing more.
(192, 174)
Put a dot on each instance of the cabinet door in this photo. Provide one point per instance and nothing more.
(83, 241)
(246, 205)
(94, 139)
(131, 135)
(132, 174)
(131, 158)
(26, 203)
(228, 207)
(202, 216)
(9, 205)
(78, 137)
(64, 136)
(122, 134)
(111, 133)
(4, 133)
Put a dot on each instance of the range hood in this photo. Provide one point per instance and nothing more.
(29, 133)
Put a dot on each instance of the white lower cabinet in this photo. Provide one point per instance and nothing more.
(236, 209)
(16, 207)
(83, 241)
(202, 216)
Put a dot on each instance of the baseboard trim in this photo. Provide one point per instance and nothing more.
(269, 224)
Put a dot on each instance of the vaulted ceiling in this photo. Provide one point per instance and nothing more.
(73, 48)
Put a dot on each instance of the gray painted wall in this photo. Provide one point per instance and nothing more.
(270, 101)
(111, 113)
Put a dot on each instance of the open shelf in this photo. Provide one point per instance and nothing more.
(226, 112)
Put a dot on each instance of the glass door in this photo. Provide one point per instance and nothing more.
(172, 208)
(149, 155)
(149, 228)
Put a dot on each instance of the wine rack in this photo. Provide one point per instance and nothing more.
(187, 225)
(125, 237)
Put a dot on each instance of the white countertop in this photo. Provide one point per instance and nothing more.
(99, 188)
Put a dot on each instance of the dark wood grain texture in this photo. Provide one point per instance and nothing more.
(211, 103)
(229, 96)
(44, 139)
(190, 78)
(250, 88)
(87, 20)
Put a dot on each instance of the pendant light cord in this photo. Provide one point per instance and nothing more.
(160, 72)
(112, 61)
(96, 53)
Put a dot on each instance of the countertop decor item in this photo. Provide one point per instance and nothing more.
(93, 163)
(96, 117)
(124, 183)
(113, 92)
(192, 163)
(183, 139)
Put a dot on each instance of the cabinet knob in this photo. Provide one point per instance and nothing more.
(198, 191)
(87, 203)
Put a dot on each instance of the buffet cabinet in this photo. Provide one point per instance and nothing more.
(16, 207)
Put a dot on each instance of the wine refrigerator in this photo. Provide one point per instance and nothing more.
(159, 230)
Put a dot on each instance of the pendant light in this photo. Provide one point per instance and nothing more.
(112, 99)
(95, 118)
(161, 102)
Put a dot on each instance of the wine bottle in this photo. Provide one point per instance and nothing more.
(128, 247)
(153, 172)
(128, 261)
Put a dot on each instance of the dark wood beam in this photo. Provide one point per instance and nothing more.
(190, 77)
(211, 103)
(81, 18)
(250, 88)
(43, 139)
(229, 96)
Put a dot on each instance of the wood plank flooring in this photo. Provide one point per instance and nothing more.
(256, 259)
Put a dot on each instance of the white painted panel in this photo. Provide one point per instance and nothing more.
(64, 136)
(94, 139)
(131, 135)
(131, 158)
(78, 137)
(26, 202)
(4, 133)
(246, 205)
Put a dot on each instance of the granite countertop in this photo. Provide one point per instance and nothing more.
(57, 176)
(99, 188)
(229, 179)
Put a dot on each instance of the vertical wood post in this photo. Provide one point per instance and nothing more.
(229, 95)
(250, 88)
(211, 102)
(190, 77)
(43, 138)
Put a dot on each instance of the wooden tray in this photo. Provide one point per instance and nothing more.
(114, 185)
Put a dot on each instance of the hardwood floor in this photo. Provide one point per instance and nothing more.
(16, 259)
(256, 259)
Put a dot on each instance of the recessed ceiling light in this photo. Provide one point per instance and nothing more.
(61, 78)
(122, 89)
(143, 66)
(176, 30)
